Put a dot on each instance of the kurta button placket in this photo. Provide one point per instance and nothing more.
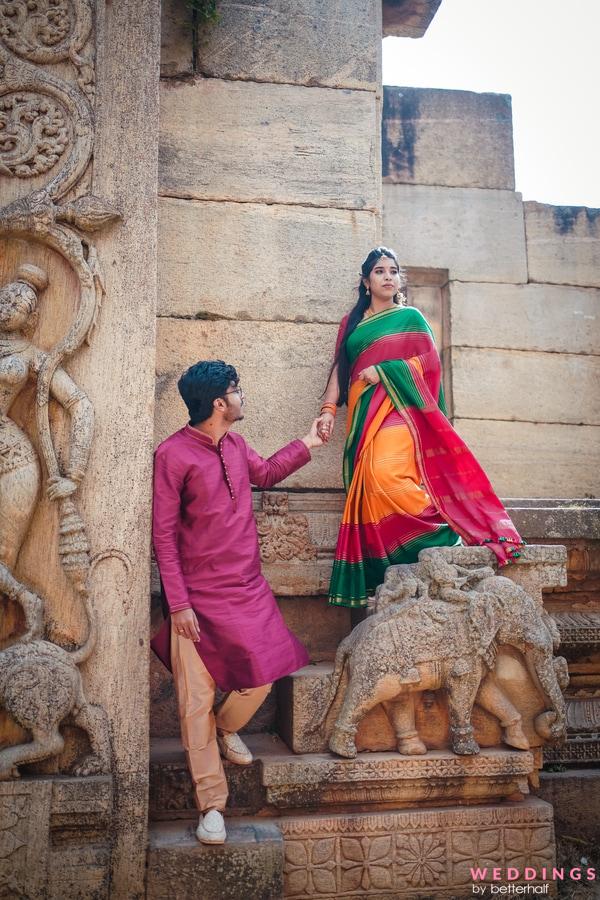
(226, 473)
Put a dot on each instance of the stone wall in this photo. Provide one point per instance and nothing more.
(269, 199)
(520, 307)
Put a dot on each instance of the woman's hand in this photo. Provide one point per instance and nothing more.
(185, 624)
(313, 438)
(370, 375)
(60, 487)
(325, 424)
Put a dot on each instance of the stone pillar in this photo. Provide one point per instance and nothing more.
(78, 245)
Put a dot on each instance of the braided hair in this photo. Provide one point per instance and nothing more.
(356, 314)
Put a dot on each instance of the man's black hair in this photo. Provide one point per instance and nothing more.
(202, 384)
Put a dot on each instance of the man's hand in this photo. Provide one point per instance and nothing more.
(313, 439)
(185, 624)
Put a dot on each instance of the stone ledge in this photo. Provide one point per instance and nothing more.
(281, 779)
(249, 864)
(312, 780)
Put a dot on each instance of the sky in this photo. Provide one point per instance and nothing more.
(545, 54)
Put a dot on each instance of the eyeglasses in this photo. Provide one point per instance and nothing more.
(236, 390)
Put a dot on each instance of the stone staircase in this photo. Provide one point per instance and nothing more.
(306, 825)
(303, 823)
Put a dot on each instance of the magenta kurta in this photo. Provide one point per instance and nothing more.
(206, 546)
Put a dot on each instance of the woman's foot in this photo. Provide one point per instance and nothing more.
(233, 748)
(211, 828)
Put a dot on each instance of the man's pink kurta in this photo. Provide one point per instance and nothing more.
(206, 546)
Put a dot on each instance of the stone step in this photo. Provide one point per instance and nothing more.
(411, 854)
(248, 865)
(281, 780)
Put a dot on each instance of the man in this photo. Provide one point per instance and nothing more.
(224, 629)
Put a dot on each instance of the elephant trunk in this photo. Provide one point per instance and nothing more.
(540, 665)
(342, 652)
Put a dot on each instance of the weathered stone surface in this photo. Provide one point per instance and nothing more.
(270, 143)
(452, 138)
(517, 385)
(557, 520)
(414, 853)
(408, 18)
(563, 244)
(524, 317)
(325, 44)
(56, 841)
(535, 460)
(575, 797)
(253, 261)
(81, 872)
(176, 32)
(248, 865)
(478, 235)
(318, 625)
(172, 793)
(283, 369)
(97, 90)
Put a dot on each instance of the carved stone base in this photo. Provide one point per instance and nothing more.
(55, 838)
(421, 853)
(318, 780)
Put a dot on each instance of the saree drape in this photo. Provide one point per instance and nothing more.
(411, 481)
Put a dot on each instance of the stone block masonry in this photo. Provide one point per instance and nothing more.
(451, 138)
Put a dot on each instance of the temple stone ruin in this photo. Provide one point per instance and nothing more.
(145, 152)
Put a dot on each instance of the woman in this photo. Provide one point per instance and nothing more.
(411, 481)
(20, 477)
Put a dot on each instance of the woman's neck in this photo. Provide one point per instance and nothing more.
(379, 304)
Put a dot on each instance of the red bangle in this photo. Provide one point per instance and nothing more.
(330, 408)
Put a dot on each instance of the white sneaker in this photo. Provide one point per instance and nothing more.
(233, 748)
(211, 828)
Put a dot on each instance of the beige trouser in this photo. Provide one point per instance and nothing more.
(195, 689)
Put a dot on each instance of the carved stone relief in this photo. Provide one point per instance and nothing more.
(46, 129)
(282, 536)
(437, 624)
(413, 852)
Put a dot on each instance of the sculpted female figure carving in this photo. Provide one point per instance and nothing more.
(411, 481)
(20, 361)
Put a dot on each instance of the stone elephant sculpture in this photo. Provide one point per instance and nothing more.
(448, 640)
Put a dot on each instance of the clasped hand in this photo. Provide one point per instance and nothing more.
(370, 375)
